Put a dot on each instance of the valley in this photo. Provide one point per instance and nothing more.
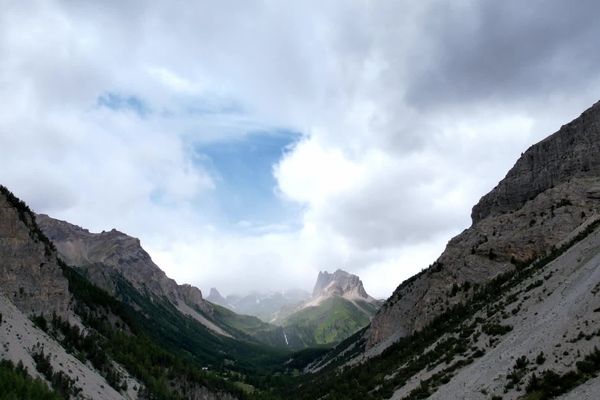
(510, 310)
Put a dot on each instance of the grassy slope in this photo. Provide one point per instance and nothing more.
(253, 329)
(177, 332)
(239, 323)
(330, 322)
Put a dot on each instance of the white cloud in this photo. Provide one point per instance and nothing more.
(410, 113)
(311, 173)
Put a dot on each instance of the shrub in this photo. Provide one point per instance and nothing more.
(540, 359)
(15, 383)
(496, 329)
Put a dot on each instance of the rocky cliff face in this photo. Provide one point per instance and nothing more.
(552, 190)
(570, 153)
(106, 253)
(339, 283)
(29, 272)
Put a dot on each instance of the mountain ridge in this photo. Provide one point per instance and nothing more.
(266, 306)
(101, 254)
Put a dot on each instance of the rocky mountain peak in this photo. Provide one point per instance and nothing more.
(339, 283)
(215, 296)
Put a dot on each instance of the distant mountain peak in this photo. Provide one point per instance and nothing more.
(339, 283)
(339, 306)
(215, 297)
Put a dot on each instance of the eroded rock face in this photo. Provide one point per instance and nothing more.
(552, 189)
(570, 153)
(106, 253)
(29, 272)
(338, 283)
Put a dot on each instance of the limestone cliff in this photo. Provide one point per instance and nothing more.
(552, 189)
(29, 272)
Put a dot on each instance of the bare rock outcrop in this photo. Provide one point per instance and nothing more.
(552, 189)
(572, 152)
(338, 283)
(29, 272)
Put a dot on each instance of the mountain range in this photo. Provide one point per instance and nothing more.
(265, 306)
(339, 306)
(510, 309)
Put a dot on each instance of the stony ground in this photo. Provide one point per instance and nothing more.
(559, 317)
(19, 336)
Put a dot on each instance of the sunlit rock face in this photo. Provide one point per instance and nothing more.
(339, 283)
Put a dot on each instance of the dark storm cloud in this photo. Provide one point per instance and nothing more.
(505, 50)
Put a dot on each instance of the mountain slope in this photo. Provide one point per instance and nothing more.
(339, 307)
(118, 264)
(102, 255)
(552, 189)
(333, 320)
(509, 310)
(553, 313)
(531, 333)
(86, 343)
(32, 284)
(22, 340)
(31, 277)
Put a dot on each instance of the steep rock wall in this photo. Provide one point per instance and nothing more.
(29, 272)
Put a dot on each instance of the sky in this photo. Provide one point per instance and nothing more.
(252, 144)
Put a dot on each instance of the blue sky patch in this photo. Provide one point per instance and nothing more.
(242, 169)
(201, 106)
(117, 102)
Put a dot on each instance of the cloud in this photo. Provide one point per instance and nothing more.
(409, 112)
(503, 52)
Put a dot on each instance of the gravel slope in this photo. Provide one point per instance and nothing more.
(550, 317)
(18, 336)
